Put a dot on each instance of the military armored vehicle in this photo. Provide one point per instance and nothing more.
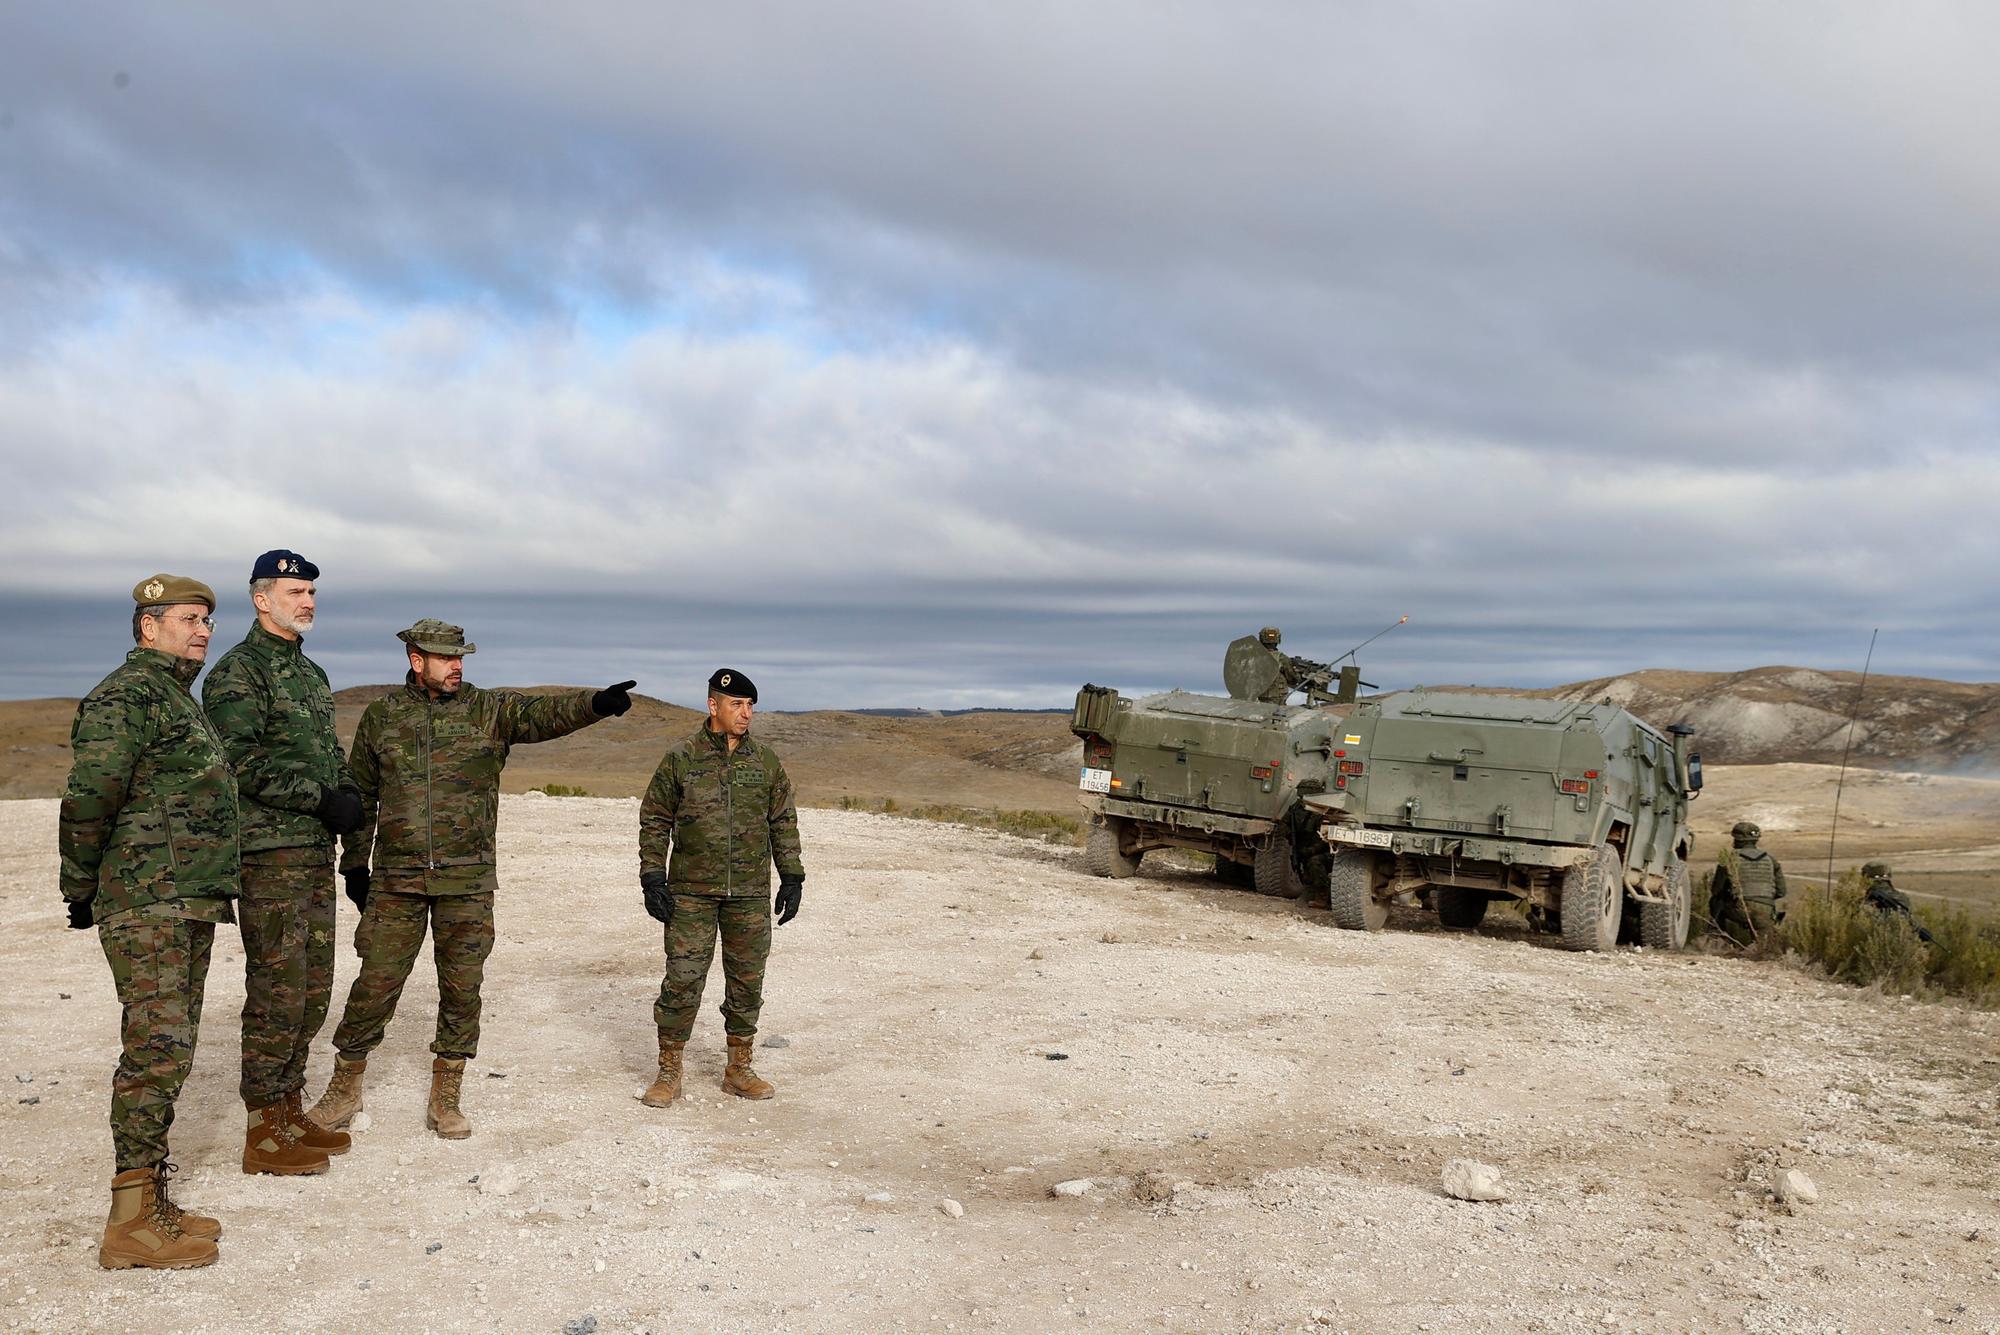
(1220, 775)
(1580, 809)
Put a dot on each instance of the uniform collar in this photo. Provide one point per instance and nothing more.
(721, 743)
(272, 643)
(182, 670)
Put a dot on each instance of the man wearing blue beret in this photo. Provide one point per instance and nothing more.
(273, 709)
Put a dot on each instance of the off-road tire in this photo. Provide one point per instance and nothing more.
(1458, 907)
(1351, 892)
(1665, 926)
(1593, 901)
(1101, 856)
(1272, 872)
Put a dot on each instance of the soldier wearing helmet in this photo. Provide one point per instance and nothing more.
(1746, 896)
(1883, 896)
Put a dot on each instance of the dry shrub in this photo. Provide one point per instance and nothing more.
(1837, 931)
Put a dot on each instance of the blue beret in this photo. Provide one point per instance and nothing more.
(282, 564)
(728, 681)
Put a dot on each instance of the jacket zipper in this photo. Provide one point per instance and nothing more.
(728, 821)
(430, 749)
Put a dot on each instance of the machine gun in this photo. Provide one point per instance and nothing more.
(1250, 668)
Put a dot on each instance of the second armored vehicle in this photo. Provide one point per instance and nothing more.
(1579, 809)
(1223, 776)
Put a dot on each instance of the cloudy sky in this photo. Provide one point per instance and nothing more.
(951, 354)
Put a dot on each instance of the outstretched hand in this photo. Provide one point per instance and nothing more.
(613, 699)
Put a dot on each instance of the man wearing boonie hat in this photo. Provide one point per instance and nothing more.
(148, 835)
(427, 760)
(721, 803)
(273, 708)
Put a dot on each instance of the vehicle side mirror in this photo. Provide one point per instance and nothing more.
(1694, 772)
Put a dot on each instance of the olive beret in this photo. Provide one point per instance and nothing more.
(166, 590)
(281, 564)
(437, 637)
(728, 681)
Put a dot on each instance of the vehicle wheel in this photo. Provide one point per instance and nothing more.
(1351, 892)
(1459, 907)
(1593, 901)
(1101, 855)
(1665, 926)
(1273, 872)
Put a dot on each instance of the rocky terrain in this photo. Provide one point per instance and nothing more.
(1251, 1112)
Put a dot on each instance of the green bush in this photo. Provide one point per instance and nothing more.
(560, 790)
(1052, 827)
(1840, 933)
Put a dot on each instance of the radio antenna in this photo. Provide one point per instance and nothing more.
(1853, 714)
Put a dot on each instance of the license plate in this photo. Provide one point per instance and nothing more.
(1095, 781)
(1363, 838)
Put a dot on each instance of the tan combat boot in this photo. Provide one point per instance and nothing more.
(139, 1232)
(270, 1147)
(194, 1225)
(738, 1078)
(668, 1087)
(309, 1135)
(443, 1115)
(336, 1107)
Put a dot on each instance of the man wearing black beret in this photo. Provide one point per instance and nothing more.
(273, 709)
(721, 803)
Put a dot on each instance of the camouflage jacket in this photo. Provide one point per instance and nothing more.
(1748, 874)
(273, 709)
(429, 775)
(725, 815)
(149, 813)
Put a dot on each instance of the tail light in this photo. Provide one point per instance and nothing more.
(1352, 767)
(1579, 787)
(1262, 771)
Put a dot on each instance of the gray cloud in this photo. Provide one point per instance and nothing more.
(1593, 336)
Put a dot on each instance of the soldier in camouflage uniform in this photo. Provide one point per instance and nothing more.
(273, 708)
(427, 760)
(1746, 896)
(149, 849)
(1883, 896)
(722, 803)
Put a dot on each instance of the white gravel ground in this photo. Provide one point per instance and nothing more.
(1261, 1103)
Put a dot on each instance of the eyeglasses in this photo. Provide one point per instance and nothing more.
(191, 619)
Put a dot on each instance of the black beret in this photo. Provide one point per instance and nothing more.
(728, 681)
(282, 564)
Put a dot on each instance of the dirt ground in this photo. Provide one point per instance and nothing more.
(1262, 1103)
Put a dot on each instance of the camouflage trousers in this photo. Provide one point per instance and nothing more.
(744, 924)
(1746, 921)
(286, 915)
(159, 966)
(388, 939)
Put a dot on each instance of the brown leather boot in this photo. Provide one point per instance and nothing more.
(443, 1116)
(194, 1225)
(139, 1233)
(310, 1136)
(668, 1087)
(738, 1078)
(336, 1107)
(270, 1147)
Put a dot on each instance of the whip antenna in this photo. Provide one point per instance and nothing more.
(1372, 638)
(1841, 783)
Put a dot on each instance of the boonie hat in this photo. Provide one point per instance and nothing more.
(437, 637)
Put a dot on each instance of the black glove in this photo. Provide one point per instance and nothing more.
(79, 913)
(613, 699)
(790, 888)
(653, 885)
(357, 887)
(340, 809)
